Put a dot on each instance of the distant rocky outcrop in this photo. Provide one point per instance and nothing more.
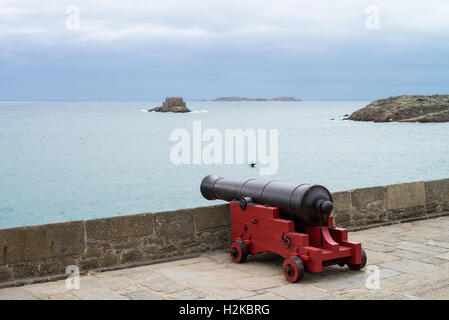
(256, 99)
(405, 108)
(239, 99)
(285, 99)
(172, 104)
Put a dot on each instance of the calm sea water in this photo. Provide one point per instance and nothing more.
(64, 161)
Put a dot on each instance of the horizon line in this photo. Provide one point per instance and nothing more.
(162, 99)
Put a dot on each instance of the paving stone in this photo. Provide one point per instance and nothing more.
(386, 240)
(419, 247)
(258, 268)
(63, 296)
(374, 257)
(441, 244)
(350, 279)
(142, 295)
(188, 294)
(179, 273)
(298, 291)
(119, 283)
(364, 294)
(101, 293)
(377, 246)
(163, 285)
(419, 235)
(46, 289)
(19, 293)
(219, 257)
(397, 228)
(408, 266)
(444, 256)
(257, 283)
(443, 238)
(141, 275)
(436, 222)
(260, 291)
(426, 286)
(228, 274)
(220, 290)
(411, 255)
(433, 260)
(265, 296)
(420, 241)
(227, 293)
(90, 282)
(205, 266)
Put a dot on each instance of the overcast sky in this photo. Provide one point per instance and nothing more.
(149, 49)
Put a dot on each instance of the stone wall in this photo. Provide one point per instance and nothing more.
(40, 253)
(370, 207)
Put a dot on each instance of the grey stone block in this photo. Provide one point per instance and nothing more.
(406, 200)
(437, 195)
(5, 274)
(23, 244)
(342, 208)
(370, 206)
(128, 226)
(175, 225)
(212, 217)
(406, 195)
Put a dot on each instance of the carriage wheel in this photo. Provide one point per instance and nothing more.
(238, 251)
(293, 268)
(358, 266)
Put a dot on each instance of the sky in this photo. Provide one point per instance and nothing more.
(146, 50)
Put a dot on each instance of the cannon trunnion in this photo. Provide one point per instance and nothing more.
(291, 220)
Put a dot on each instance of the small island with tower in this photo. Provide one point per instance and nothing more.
(172, 104)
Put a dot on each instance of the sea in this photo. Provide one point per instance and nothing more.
(77, 160)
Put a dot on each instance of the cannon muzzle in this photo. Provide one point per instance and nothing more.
(310, 205)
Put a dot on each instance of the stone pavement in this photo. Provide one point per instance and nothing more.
(411, 259)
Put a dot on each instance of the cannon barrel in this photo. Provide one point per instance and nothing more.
(310, 205)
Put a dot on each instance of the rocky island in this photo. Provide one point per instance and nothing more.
(172, 104)
(256, 99)
(405, 108)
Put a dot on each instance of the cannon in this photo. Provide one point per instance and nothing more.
(292, 220)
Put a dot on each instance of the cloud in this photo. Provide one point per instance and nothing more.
(113, 21)
(104, 31)
(246, 45)
(21, 30)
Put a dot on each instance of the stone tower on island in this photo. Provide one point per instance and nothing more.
(172, 104)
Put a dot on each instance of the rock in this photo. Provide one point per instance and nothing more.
(405, 108)
(239, 99)
(256, 99)
(285, 99)
(172, 104)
